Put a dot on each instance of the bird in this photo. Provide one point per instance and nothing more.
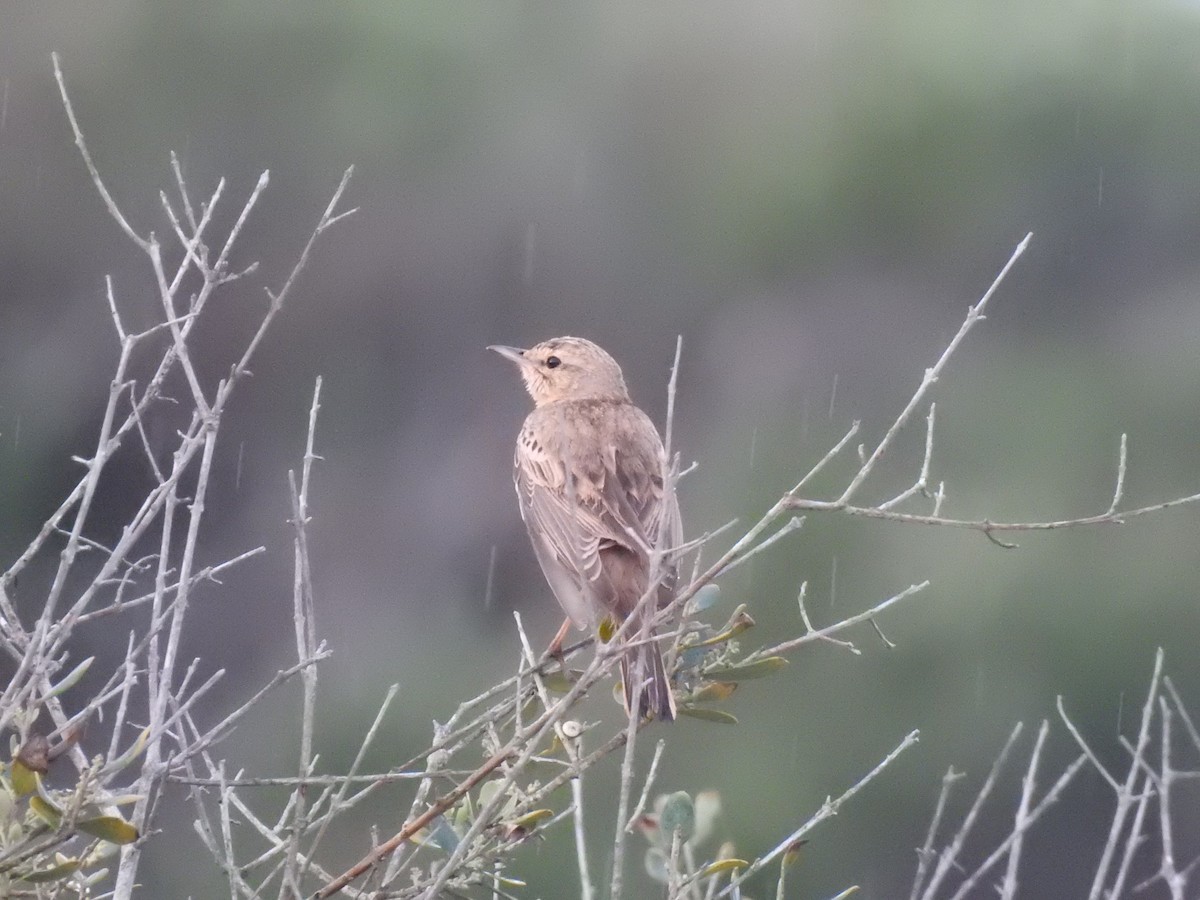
(597, 498)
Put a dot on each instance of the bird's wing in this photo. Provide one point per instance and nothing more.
(565, 525)
(639, 497)
(617, 498)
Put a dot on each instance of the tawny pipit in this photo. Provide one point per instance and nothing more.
(603, 534)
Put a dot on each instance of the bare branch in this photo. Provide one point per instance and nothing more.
(829, 808)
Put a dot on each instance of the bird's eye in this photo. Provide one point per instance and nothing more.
(553, 362)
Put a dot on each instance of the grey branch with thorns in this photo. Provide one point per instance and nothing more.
(81, 829)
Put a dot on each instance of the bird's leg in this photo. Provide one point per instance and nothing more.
(555, 648)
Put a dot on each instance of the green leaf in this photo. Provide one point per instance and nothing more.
(723, 865)
(122, 799)
(135, 750)
(678, 814)
(72, 678)
(530, 819)
(714, 692)
(46, 811)
(63, 870)
(706, 598)
(521, 827)
(708, 715)
(103, 850)
(24, 779)
(95, 876)
(759, 668)
(113, 829)
(532, 707)
(487, 791)
(444, 836)
(691, 657)
(462, 813)
(559, 681)
(740, 621)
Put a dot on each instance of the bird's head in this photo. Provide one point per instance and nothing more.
(567, 368)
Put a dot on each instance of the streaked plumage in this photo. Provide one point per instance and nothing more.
(595, 532)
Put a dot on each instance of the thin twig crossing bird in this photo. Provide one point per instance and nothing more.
(597, 498)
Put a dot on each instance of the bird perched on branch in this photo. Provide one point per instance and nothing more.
(599, 503)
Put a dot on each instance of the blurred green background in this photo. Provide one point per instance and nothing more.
(811, 194)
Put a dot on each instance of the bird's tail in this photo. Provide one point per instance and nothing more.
(644, 665)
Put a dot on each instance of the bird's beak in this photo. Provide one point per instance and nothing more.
(516, 354)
